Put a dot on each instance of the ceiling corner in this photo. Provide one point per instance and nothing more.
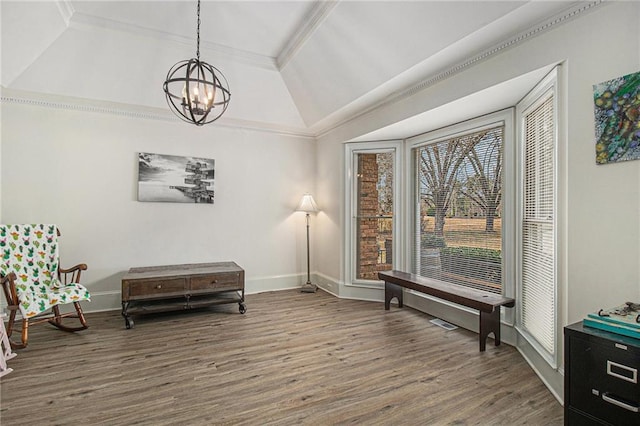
(66, 10)
(307, 26)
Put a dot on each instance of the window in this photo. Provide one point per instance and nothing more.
(372, 194)
(458, 200)
(537, 275)
(374, 214)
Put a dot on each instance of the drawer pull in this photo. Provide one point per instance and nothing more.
(632, 377)
(214, 281)
(619, 403)
(159, 286)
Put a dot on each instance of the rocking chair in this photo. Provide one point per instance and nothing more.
(33, 281)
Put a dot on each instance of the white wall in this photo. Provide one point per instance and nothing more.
(600, 215)
(78, 169)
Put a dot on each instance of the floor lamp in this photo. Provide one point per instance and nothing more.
(308, 205)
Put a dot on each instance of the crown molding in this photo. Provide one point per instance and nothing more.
(308, 25)
(82, 20)
(69, 103)
(546, 25)
(321, 130)
(315, 18)
(311, 21)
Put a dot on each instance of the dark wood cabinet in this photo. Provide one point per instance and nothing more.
(175, 287)
(601, 377)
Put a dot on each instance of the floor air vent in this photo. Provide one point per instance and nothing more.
(443, 324)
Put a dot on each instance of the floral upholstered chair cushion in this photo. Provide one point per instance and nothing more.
(31, 252)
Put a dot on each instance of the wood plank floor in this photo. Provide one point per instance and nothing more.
(293, 358)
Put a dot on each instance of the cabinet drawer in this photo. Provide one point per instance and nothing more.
(215, 282)
(605, 381)
(575, 417)
(156, 287)
(610, 368)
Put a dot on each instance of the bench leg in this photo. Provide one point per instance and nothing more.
(391, 291)
(489, 322)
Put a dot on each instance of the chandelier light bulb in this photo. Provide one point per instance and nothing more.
(195, 94)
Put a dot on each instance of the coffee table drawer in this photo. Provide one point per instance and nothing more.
(157, 287)
(217, 281)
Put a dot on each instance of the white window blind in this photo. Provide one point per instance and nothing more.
(538, 251)
(459, 209)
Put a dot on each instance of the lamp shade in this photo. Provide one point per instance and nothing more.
(307, 204)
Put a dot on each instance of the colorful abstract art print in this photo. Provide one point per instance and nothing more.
(175, 179)
(617, 119)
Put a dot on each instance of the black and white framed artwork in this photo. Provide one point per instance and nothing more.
(175, 179)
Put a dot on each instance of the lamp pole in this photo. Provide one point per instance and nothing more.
(308, 205)
(308, 287)
(308, 255)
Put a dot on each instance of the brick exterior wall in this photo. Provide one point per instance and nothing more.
(368, 224)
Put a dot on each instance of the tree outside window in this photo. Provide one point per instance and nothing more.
(459, 193)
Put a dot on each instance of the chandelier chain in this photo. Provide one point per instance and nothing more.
(198, 43)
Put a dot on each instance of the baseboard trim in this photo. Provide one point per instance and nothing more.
(553, 379)
(112, 300)
(328, 284)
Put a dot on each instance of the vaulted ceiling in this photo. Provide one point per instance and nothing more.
(301, 66)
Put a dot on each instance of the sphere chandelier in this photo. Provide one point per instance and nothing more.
(197, 92)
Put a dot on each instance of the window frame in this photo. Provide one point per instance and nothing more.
(503, 117)
(548, 86)
(352, 149)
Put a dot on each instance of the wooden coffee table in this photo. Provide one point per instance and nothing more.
(180, 287)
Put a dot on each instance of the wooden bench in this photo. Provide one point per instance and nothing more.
(487, 303)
